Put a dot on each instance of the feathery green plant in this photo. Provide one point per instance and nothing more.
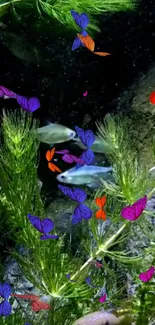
(59, 10)
(47, 262)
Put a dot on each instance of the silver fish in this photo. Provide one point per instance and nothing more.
(99, 318)
(55, 133)
(88, 175)
(98, 146)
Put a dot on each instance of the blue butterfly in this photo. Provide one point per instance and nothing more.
(82, 20)
(87, 138)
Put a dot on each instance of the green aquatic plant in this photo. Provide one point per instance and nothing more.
(18, 166)
(59, 11)
(47, 263)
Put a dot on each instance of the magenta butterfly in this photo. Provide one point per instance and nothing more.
(103, 298)
(133, 212)
(147, 276)
(69, 158)
(81, 211)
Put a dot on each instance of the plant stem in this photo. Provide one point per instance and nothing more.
(102, 248)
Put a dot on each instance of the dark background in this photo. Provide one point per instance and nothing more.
(66, 75)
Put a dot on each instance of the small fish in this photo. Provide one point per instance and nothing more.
(99, 318)
(90, 44)
(55, 133)
(88, 175)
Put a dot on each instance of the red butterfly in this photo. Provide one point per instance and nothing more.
(101, 214)
(36, 304)
(51, 166)
(90, 44)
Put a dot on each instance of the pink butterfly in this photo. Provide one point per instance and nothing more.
(69, 158)
(133, 212)
(85, 94)
(147, 276)
(103, 298)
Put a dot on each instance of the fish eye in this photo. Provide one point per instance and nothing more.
(62, 176)
(72, 134)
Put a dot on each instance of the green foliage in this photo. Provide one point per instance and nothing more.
(59, 10)
(18, 167)
(46, 263)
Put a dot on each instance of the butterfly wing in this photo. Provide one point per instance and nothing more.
(103, 298)
(88, 156)
(82, 20)
(80, 195)
(36, 222)
(100, 202)
(87, 41)
(47, 225)
(33, 104)
(101, 214)
(76, 44)
(78, 160)
(23, 102)
(62, 152)
(67, 191)
(102, 53)
(5, 290)
(81, 134)
(50, 154)
(5, 308)
(81, 212)
(54, 168)
(68, 158)
(139, 206)
(39, 305)
(90, 138)
(44, 237)
(7, 92)
(84, 33)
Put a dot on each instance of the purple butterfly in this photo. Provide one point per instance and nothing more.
(82, 20)
(133, 212)
(88, 281)
(77, 43)
(69, 277)
(69, 158)
(44, 226)
(86, 137)
(30, 105)
(7, 93)
(5, 306)
(88, 156)
(81, 211)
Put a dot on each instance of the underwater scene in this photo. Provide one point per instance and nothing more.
(77, 162)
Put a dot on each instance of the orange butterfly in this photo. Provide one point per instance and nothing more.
(90, 44)
(101, 214)
(51, 166)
